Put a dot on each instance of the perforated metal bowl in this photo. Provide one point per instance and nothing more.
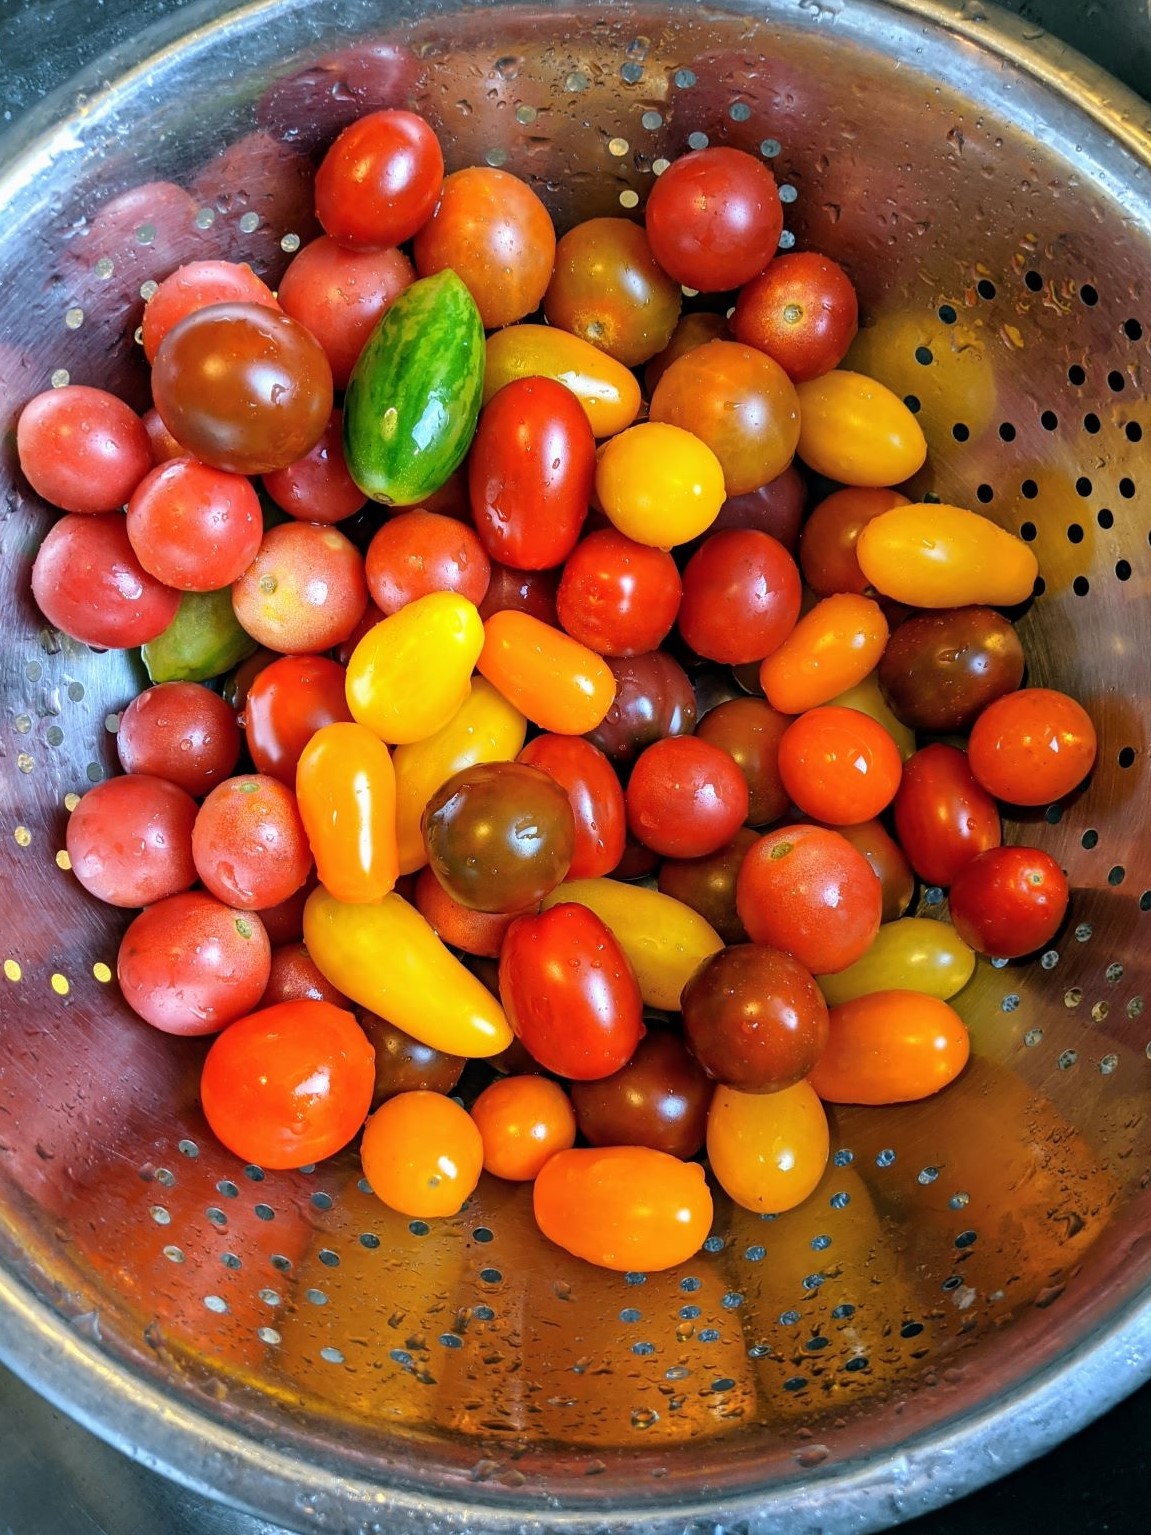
(965, 1286)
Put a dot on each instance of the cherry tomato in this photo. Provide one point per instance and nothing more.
(420, 552)
(707, 884)
(288, 1085)
(740, 403)
(242, 388)
(461, 927)
(617, 597)
(182, 732)
(88, 583)
(934, 556)
(658, 1099)
(249, 842)
(802, 311)
(767, 1151)
(318, 487)
(533, 449)
(693, 330)
(407, 1065)
(164, 446)
(341, 296)
(194, 287)
(807, 891)
(637, 862)
(776, 508)
(888, 863)
(422, 1154)
(523, 1121)
(305, 590)
(608, 393)
(346, 789)
(492, 230)
(750, 731)
(412, 672)
(190, 964)
(626, 1208)
(741, 596)
(521, 591)
(284, 922)
(920, 954)
(659, 484)
(839, 765)
(866, 698)
(194, 528)
(557, 683)
(831, 648)
(1032, 746)
(595, 796)
(238, 681)
(608, 289)
(685, 797)
(890, 1047)
(287, 703)
(379, 182)
(830, 534)
(943, 818)
(855, 430)
(295, 977)
(940, 670)
(714, 219)
(653, 699)
(82, 449)
(499, 836)
(1009, 901)
(130, 840)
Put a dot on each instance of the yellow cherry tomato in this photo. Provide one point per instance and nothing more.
(767, 1151)
(411, 672)
(890, 1047)
(867, 697)
(833, 647)
(346, 791)
(606, 389)
(659, 485)
(422, 1154)
(389, 960)
(857, 431)
(933, 556)
(665, 940)
(560, 685)
(915, 953)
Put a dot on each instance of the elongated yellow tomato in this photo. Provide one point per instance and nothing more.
(485, 728)
(857, 431)
(606, 389)
(912, 953)
(346, 790)
(890, 1047)
(867, 697)
(411, 672)
(659, 484)
(388, 959)
(767, 1150)
(932, 556)
(665, 940)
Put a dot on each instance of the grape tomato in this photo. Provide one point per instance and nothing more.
(890, 1047)
(920, 954)
(595, 796)
(767, 1151)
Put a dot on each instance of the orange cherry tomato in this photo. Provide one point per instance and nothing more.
(346, 790)
(830, 534)
(627, 1208)
(559, 684)
(890, 1047)
(523, 1121)
(422, 1154)
(839, 765)
(767, 1150)
(1032, 747)
(935, 556)
(830, 649)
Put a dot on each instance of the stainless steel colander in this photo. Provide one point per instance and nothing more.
(965, 1287)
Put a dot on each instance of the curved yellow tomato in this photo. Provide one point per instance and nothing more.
(606, 389)
(890, 1047)
(659, 485)
(833, 647)
(867, 697)
(912, 954)
(346, 789)
(411, 672)
(934, 556)
(856, 431)
(767, 1150)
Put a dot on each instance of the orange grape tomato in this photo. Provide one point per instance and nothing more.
(890, 1047)
(410, 674)
(659, 484)
(1032, 747)
(346, 790)
(839, 765)
(830, 534)
(523, 1121)
(855, 430)
(559, 684)
(627, 1208)
(608, 392)
(422, 1154)
(767, 1150)
(935, 556)
(831, 649)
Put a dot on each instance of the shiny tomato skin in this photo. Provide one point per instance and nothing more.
(130, 840)
(741, 597)
(608, 289)
(378, 183)
(418, 552)
(286, 704)
(834, 646)
(195, 286)
(523, 1121)
(88, 582)
(522, 591)
(318, 487)
(685, 798)
(830, 534)
(750, 731)
(695, 329)
(295, 977)
(888, 862)
(341, 295)
(182, 732)
(714, 219)
(249, 842)
(890, 1047)
(1009, 901)
(1033, 746)
(475, 932)
(422, 1154)
(407, 1065)
(82, 449)
(839, 766)
(654, 699)
(767, 1151)
(943, 817)
(708, 884)
(659, 1099)
(304, 592)
(941, 670)
(802, 311)
(617, 597)
(596, 798)
(194, 528)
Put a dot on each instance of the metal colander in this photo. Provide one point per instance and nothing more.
(964, 1286)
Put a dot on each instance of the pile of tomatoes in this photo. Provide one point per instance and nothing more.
(577, 753)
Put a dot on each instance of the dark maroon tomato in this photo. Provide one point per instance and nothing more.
(1009, 901)
(659, 1099)
(617, 597)
(570, 993)
(284, 922)
(596, 798)
(295, 977)
(685, 798)
(421, 552)
(775, 508)
(88, 583)
(286, 704)
(130, 840)
(249, 842)
(341, 295)
(941, 670)
(802, 311)
(182, 732)
(750, 731)
(754, 1018)
(82, 449)
(707, 884)
(406, 1065)
(714, 219)
(827, 544)
(533, 450)
(318, 487)
(379, 182)
(654, 699)
(636, 862)
(243, 388)
(193, 527)
(889, 864)
(741, 595)
(943, 817)
(522, 591)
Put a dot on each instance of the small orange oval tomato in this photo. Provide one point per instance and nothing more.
(559, 684)
(608, 392)
(832, 648)
(523, 1121)
(627, 1208)
(890, 1047)
(935, 556)
(422, 1154)
(767, 1150)
(855, 430)
(346, 790)
(659, 484)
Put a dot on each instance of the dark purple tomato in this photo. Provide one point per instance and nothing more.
(659, 1099)
(776, 508)
(941, 670)
(406, 1065)
(750, 731)
(654, 698)
(707, 884)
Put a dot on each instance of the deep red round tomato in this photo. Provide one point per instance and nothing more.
(318, 487)
(750, 731)
(304, 592)
(249, 842)
(522, 591)
(194, 528)
(943, 817)
(130, 840)
(807, 891)
(287, 703)
(190, 964)
(88, 582)
(295, 977)
(714, 219)
(289, 1085)
(1009, 901)
(341, 295)
(379, 182)
(776, 508)
(685, 797)
(419, 552)
(596, 799)
(195, 286)
(839, 765)
(530, 473)
(1032, 747)
(570, 993)
(475, 932)
(182, 732)
(82, 449)
(741, 595)
(659, 1099)
(802, 311)
(707, 884)
(830, 534)
(654, 698)
(617, 597)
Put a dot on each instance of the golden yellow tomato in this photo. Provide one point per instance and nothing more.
(659, 484)
(932, 556)
(608, 392)
(854, 430)
(767, 1150)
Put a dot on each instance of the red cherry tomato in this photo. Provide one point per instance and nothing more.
(596, 798)
(830, 534)
(295, 977)
(618, 597)
(194, 528)
(839, 765)
(130, 840)
(318, 487)
(1009, 901)
(523, 1121)
(685, 797)
(521, 591)
(741, 596)
(379, 182)
(943, 818)
(714, 219)
(286, 704)
(88, 582)
(1032, 747)
(475, 932)
(802, 311)
(304, 591)
(249, 842)
(195, 286)
(82, 449)
(419, 552)
(341, 295)
(182, 732)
